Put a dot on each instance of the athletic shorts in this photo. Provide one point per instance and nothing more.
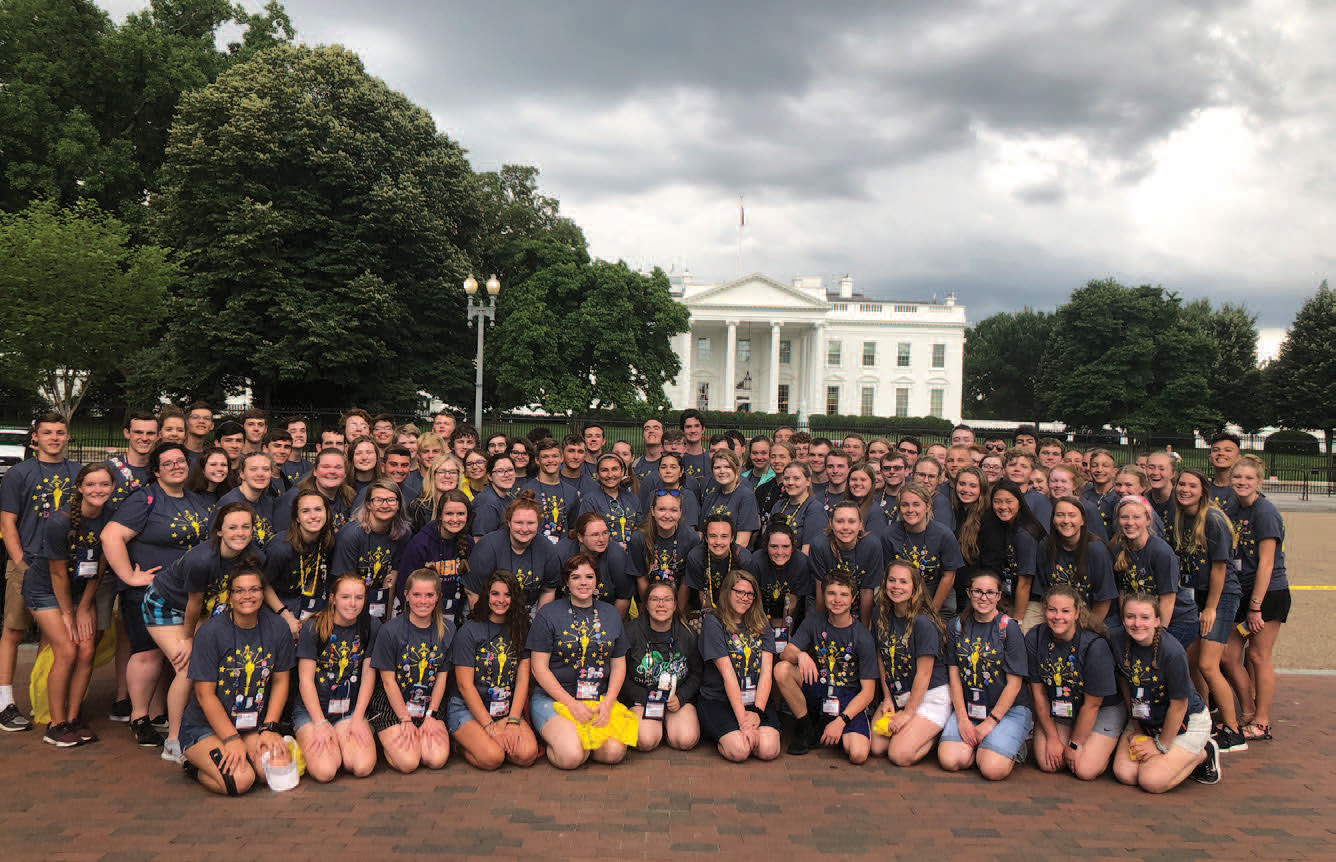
(816, 697)
(1109, 721)
(1192, 739)
(717, 719)
(1275, 606)
(157, 613)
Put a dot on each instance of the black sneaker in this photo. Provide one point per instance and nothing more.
(81, 730)
(802, 736)
(160, 723)
(13, 721)
(1208, 771)
(60, 736)
(120, 712)
(1229, 740)
(146, 736)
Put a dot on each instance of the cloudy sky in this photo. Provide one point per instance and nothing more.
(1004, 150)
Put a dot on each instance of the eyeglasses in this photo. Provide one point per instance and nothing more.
(503, 471)
(892, 468)
(171, 465)
(992, 595)
(382, 501)
(668, 492)
(601, 534)
(743, 594)
(906, 450)
(447, 472)
(247, 591)
(661, 600)
(920, 474)
(995, 447)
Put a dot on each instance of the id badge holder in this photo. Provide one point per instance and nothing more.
(781, 638)
(586, 688)
(901, 699)
(1238, 564)
(308, 608)
(1061, 708)
(748, 691)
(340, 700)
(87, 567)
(378, 603)
(655, 703)
(417, 705)
(247, 720)
(1141, 710)
(499, 707)
(830, 704)
(976, 709)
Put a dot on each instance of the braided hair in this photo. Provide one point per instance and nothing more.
(76, 498)
(1126, 661)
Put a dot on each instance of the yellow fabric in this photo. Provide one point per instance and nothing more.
(622, 725)
(41, 669)
(882, 726)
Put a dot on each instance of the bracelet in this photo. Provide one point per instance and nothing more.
(232, 738)
(323, 721)
(847, 719)
(995, 719)
(406, 719)
(269, 727)
(512, 720)
(751, 707)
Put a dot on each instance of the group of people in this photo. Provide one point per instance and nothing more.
(539, 596)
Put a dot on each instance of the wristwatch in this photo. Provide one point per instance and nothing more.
(1072, 745)
(269, 727)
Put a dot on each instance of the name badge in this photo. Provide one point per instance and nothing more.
(417, 704)
(656, 703)
(378, 603)
(247, 720)
(1238, 564)
(830, 706)
(586, 690)
(308, 608)
(1061, 708)
(339, 706)
(781, 638)
(87, 570)
(499, 707)
(901, 699)
(1141, 710)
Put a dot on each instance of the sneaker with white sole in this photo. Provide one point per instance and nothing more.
(146, 736)
(1229, 740)
(120, 712)
(13, 721)
(1208, 771)
(61, 736)
(171, 751)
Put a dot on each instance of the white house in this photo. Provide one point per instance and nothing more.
(756, 344)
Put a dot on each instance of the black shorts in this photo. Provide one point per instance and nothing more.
(1275, 606)
(132, 616)
(717, 719)
(380, 715)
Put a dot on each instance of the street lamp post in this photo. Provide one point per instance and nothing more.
(481, 310)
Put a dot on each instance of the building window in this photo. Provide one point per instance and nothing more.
(703, 351)
(902, 401)
(869, 396)
(783, 398)
(785, 351)
(869, 354)
(935, 399)
(703, 397)
(902, 355)
(744, 351)
(832, 400)
(939, 356)
(833, 354)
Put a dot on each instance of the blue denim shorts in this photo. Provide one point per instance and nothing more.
(191, 734)
(38, 595)
(457, 713)
(542, 709)
(1005, 739)
(1225, 610)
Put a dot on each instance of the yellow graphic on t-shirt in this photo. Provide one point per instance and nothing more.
(979, 662)
(375, 567)
(744, 653)
(188, 528)
(583, 644)
(49, 494)
(414, 664)
(243, 675)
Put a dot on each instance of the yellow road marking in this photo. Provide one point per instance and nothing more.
(1313, 588)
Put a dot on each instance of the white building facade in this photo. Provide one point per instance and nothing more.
(756, 344)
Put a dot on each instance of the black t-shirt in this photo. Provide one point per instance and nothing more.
(83, 556)
(166, 526)
(416, 655)
(670, 554)
(538, 567)
(651, 654)
(777, 584)
(704, 571)
(863, 561)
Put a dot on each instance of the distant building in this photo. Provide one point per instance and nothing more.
(756, 344)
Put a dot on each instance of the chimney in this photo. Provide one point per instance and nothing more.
(846, 287)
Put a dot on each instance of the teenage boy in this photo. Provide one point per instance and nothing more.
(558, 499)
(837, 478)
(254, 422)
(817, 451)
(199, 422)
(131, 469)
(296, 466)
(652, 435)
(1225, 451)
(695, 460)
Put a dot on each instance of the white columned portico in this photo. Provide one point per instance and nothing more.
(817, 400)
(772, 395)
(688, 391)
(730, 383)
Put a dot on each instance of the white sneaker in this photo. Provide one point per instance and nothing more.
(171, 752)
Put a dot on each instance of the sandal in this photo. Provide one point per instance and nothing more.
(1256, 732)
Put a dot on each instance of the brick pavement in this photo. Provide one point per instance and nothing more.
(113, 801)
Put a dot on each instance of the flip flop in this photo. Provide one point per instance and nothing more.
(1256, 732)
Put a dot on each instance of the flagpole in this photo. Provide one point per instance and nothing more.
(742, 223)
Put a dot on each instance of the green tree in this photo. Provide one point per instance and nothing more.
(577, 335)
(1235, 382)
(1304, 372)
(323, 222)
(1128, 356)
(1002, 356)
(87, 103)
(76, 300)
